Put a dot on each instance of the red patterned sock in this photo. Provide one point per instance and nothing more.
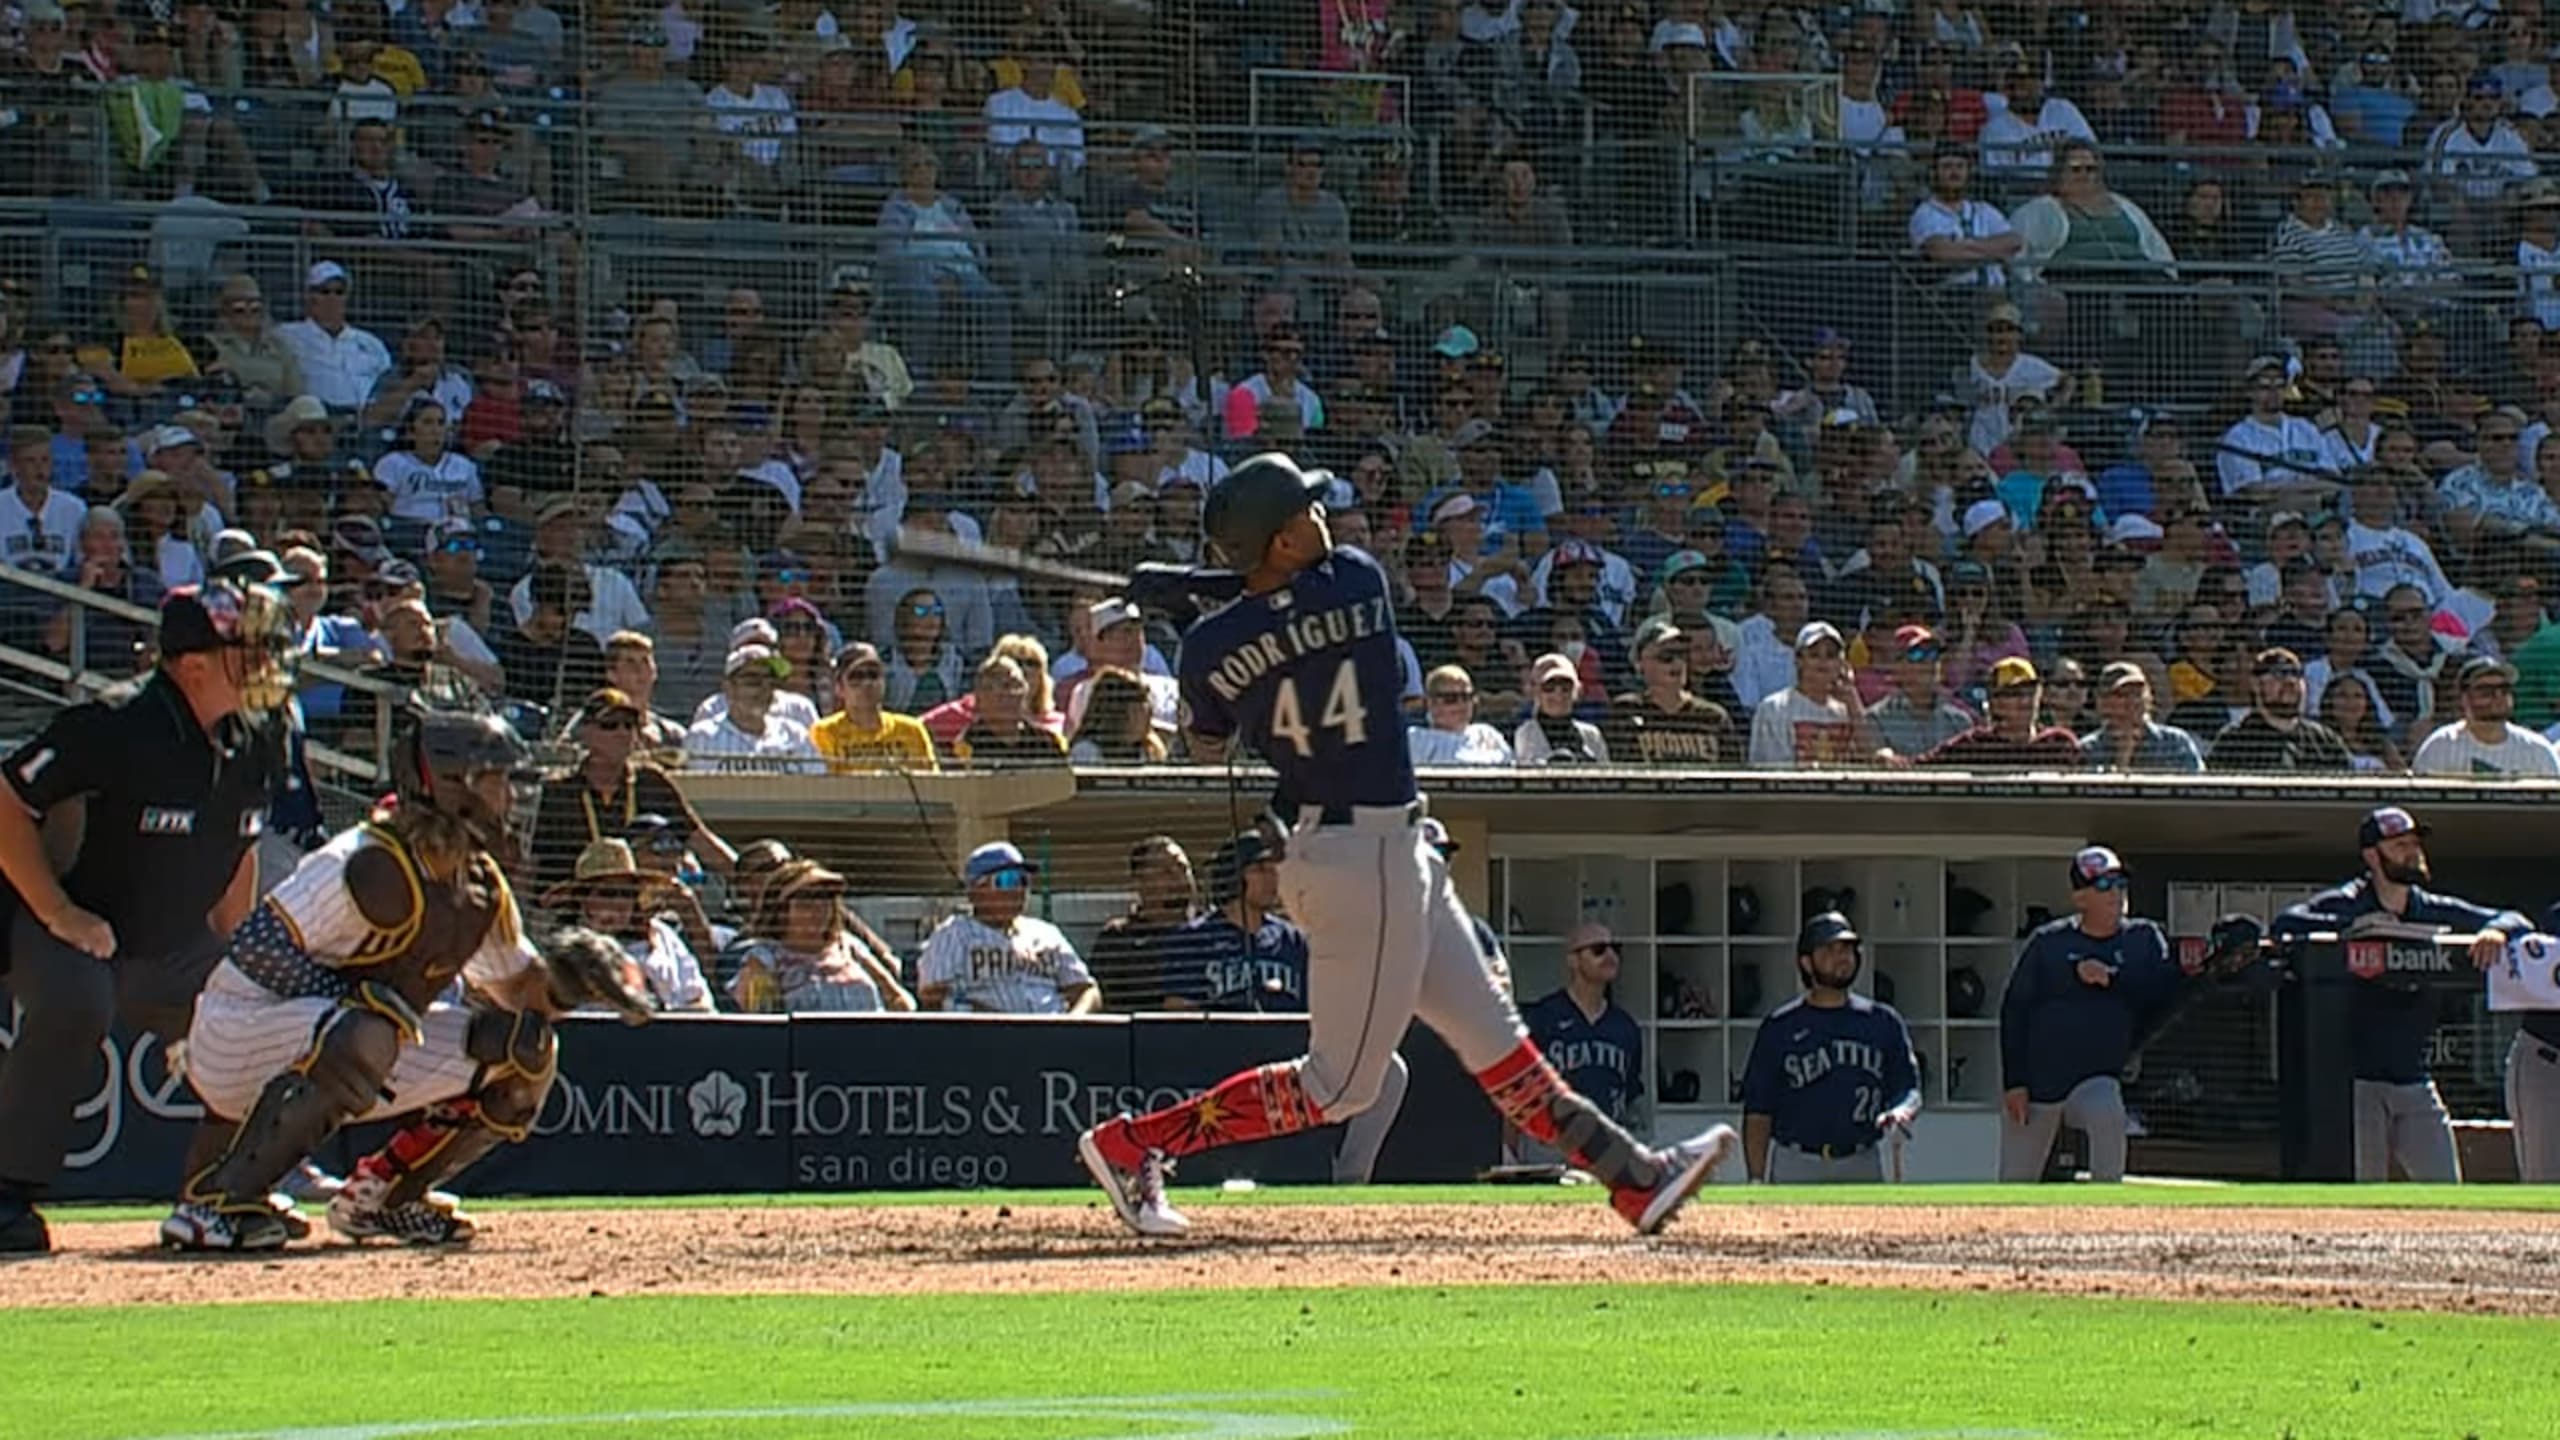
(415, 1143)
(1528, 1092)
(1249, 1105)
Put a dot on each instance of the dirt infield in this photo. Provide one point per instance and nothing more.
(2470, 1261)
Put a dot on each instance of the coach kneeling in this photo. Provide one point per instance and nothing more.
(1831, 1073)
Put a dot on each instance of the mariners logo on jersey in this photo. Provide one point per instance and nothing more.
(1825, 1074)
(1216, 966)
(1601, 1057)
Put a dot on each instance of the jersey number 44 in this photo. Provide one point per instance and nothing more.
(1343, 713)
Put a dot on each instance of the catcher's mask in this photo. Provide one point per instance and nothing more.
(247, 624)
(441, 759)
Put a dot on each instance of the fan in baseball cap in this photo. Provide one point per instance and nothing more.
(1000, 864)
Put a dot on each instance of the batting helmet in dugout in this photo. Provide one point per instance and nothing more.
(1249, 504)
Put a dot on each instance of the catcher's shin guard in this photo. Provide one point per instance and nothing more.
(520, 1058)
(338, 1079)
(1528, 1092)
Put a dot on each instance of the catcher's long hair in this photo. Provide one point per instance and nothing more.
(442, 843)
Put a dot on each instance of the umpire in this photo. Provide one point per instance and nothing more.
(2085, 989)
(162, 788)
(1831, 1073)
(2398, 1114)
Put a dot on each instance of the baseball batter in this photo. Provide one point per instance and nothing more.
(1302, 669)
(1831, 1074)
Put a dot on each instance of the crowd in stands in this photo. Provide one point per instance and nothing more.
(2041, 530)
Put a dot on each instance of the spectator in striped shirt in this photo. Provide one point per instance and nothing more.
(2323, 257)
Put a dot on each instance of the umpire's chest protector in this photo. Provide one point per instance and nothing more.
(423, 929)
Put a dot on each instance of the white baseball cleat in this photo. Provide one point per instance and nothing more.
(199, 1227)
(1691, 1162)
(436, 1218)
(1136, 1191)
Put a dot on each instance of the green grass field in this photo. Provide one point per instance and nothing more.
(1467, 1364)
(1662, 1362)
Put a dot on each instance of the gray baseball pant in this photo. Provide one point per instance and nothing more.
(2095, 1106)
(70, 1000)
(1791, 1166)
(2406, 1123)
(2533, 1108)
(1365, 1134)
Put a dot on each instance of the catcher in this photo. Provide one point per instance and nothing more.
(389, 975)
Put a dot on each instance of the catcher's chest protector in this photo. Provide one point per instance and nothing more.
(424, 929)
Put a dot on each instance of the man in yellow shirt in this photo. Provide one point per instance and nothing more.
(861, 735)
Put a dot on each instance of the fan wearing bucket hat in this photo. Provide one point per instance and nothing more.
(610, 894)
(2011, 738)
(808, 953)
(2084, 991)
(2400, 1120)
(997, 959)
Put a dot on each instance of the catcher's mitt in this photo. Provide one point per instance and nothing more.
(588, 968)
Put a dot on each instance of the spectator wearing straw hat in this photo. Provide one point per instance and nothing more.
(748, 735)
(609, 893)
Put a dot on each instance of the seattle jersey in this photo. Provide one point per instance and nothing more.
(1822, 1074)
(1217, 966)
(1307, 677)
(1602, 1059)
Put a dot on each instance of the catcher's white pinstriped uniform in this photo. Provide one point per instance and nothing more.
(265, 1003)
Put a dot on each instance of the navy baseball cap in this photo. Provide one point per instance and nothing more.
(2388, 823)
(2092, 865)
(1823, 929)
(994, 859)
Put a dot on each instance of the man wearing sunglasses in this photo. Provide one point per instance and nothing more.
(2485, 741)
(2085, 988)
(997, 959)
(2276, 736)
(608, 791)
(863, 734)
(1587, 1035)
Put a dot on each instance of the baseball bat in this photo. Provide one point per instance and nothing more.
(945, 548)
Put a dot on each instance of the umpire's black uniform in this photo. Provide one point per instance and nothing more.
(170, 810)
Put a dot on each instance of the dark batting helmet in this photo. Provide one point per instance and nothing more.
(439, 753)
(1250, 504)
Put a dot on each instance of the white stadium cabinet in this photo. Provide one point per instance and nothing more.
(1698, 973)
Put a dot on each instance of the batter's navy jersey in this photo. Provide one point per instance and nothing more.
(2389, 1027)
(1216, 966)
(1308, 678)
(1823, 1073)
(1602, 1059)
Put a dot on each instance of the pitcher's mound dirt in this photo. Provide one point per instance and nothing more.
(2399, 1259)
